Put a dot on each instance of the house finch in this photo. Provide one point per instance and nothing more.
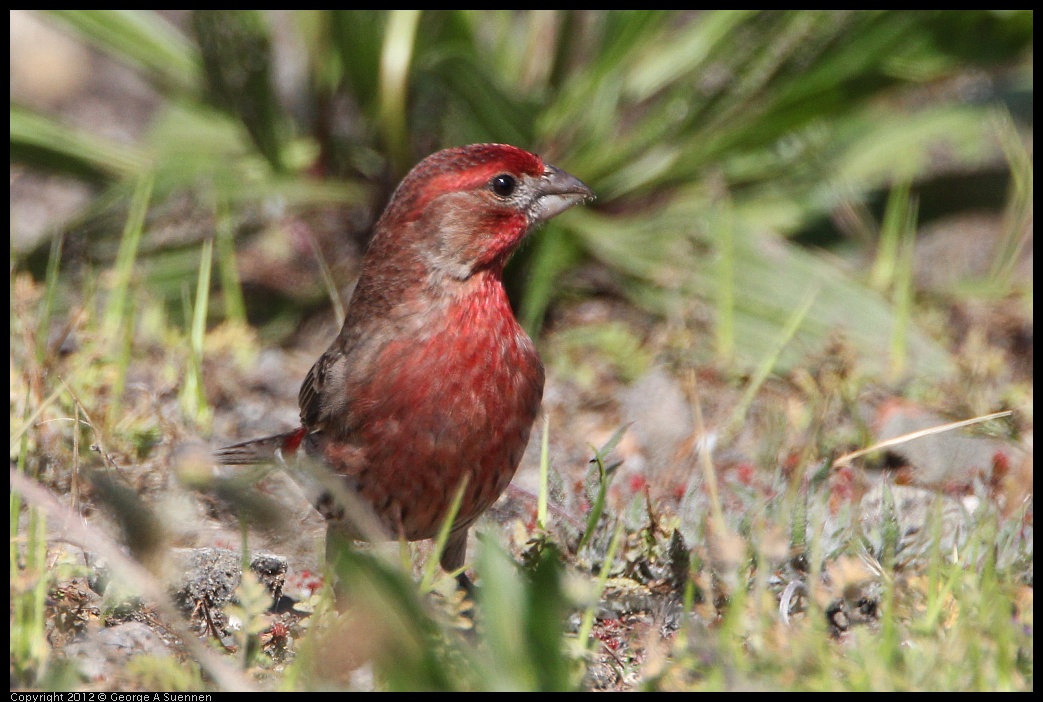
(431, 383)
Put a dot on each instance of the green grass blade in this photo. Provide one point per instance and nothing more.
(140, 38)
(44, 143)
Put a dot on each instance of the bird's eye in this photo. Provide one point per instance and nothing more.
(503, 185)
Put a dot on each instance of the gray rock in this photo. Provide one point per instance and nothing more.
(100, 655)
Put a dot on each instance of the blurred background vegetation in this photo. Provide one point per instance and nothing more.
(729, 150)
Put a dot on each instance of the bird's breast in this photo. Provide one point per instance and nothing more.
(453, 403)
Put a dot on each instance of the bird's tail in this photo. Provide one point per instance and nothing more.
(270, 449)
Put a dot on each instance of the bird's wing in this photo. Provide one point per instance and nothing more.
(313, 390)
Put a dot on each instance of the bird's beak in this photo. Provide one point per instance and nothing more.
(556, 192)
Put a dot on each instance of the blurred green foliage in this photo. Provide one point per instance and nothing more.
(706, 136)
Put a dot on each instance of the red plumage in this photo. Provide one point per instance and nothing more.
(431, 381)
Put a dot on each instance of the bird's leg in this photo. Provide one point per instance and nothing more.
(453, 559)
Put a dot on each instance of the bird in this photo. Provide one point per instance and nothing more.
(432, 387)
